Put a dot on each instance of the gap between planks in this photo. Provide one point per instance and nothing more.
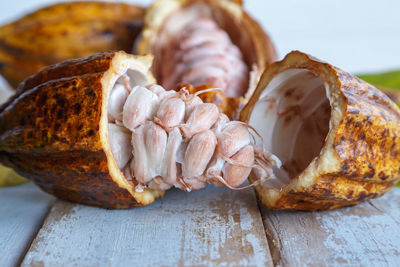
(207, 227)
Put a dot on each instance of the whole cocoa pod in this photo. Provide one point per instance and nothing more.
(66, 30)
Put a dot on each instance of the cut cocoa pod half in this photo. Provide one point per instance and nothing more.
(54, 131)
(207, 43)
(63, 31)
(337, 136)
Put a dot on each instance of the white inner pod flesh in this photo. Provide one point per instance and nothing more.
(161, 139)
(293, 117)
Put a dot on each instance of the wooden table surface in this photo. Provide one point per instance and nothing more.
(211, 227)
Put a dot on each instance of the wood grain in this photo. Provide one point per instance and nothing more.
(207, 227)
(22, 211)
(364, 235)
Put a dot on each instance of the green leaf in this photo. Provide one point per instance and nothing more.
(384, 80)
(388, 82)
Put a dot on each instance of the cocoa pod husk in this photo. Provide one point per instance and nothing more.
(54, 131)
(357, 155)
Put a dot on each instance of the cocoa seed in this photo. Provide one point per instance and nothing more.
(198, 154)
(235, 175)
(171, 112)
(155, 139)
(140, 106)
(202, 118)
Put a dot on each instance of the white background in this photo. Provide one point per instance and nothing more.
(355, 35)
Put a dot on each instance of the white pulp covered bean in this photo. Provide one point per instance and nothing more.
(140, 106)
(198, 154)
(120, 144)
(171, 112)
(139, 164)
(173, 145)
(202, 117)
(116, 102)
(155, 142)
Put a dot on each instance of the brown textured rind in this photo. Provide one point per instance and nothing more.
(66, 30)
(50, 133)
(365, 142)
(256, 46)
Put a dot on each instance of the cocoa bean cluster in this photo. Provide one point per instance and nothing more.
(161, 139)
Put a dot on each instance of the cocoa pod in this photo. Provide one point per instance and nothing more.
(66, 30)
(337, 136)
(255, 48)
(54, 130)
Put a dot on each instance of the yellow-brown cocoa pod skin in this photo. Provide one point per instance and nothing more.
(66, 30)
(54, 131)
(360, 155)
(255, 44)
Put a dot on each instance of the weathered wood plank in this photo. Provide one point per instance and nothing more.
(363, 235)
(22, 211)
(207, 227)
